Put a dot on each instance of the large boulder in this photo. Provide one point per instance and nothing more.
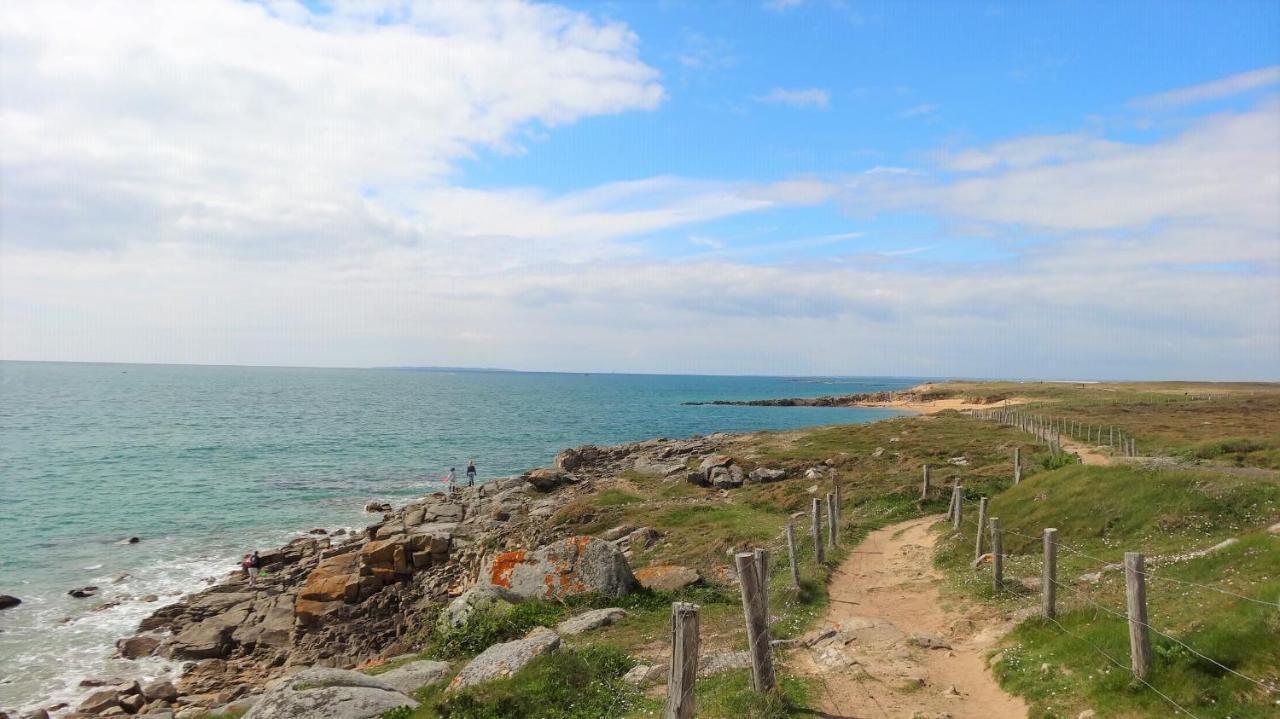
(567, 460)
(411, 677)
(715, 461)
(726, 477)
(503, 660)
(7, 601)
(334, 579)
(570, 566)
(100, 701)
(474, 601)
(329, 694)
(667, 577)
(137, 647)
(545, 480)
(209, 639)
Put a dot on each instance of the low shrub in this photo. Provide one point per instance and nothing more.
(570, 684)
(484, 629)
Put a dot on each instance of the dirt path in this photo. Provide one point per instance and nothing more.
(1088, 455)
(885, 615)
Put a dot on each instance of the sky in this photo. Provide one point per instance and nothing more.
(1054, 190)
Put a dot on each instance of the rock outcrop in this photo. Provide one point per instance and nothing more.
(329, 694)
(569, 566)
(347, 599)
(474, 601)
(588, 621)
(411, 677)
(667, 577)
(503, 660)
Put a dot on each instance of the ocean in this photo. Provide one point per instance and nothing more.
(203, 464)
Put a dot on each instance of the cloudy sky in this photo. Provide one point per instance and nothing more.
(782, 187)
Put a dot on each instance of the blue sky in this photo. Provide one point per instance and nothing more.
(812, 187)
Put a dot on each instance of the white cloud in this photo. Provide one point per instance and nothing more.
(229, 184)
(230, 122)
(1221, 171)
(806, 97)
(1215, 90)
(781, 5)
(925, 108)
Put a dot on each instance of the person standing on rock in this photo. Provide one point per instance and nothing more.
(471, 473)
(453, 478)
(252, 565)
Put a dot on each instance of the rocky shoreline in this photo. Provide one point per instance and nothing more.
(916, 396)
(331, 602)
(846, 400)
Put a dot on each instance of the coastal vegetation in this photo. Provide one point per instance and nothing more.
(1167, 508)
(1205, 515)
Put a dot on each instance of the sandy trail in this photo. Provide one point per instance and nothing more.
(886, 612)
(1088, 454)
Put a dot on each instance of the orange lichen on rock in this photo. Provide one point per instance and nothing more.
(503, 565)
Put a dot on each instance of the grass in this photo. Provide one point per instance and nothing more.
(1100, 513)
(729, 695)
(1187, 420)
(582, 683)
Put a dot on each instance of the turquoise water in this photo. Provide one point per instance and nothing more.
(205, 463)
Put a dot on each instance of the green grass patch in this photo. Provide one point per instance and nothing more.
(1101, 512)
(484, 629)
(583, 683)
(616, 498)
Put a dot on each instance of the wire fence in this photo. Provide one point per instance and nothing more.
(1052, 430)
(1068, 594)
(968, 522)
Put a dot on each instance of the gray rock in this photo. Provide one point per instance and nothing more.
(329, 694)
(644, 673)
(570, 566)
(667, 577)
(929, 641)
(99, 701)
(137, 647)
(612, 535)
(763, 474)
(503, 660)
(723, 662)
(726, 478)
(473, 601)
(160, 689)
(413, 676)
(238, 707)
(588, 621)
(642, 538)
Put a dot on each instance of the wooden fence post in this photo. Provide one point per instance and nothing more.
(1017, 465)
(924, 484)
(835, 481)
(982, 524)
(833, 527)
(958, 517)
(819, 552)
(762, 678)
(997, 556)
(684, 661)
(791, 554)
(761, 558)
(1135, 592)
(1049, 580)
